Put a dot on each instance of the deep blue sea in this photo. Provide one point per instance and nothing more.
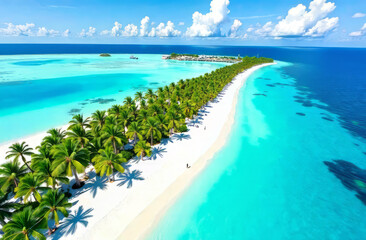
(294, 166)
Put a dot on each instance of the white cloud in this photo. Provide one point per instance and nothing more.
(163, 30)
(208, 25)
(359, 15)
(323, 26)
(130, 31)
(144, 28)
(88, 33)
(44, 32)
(18, 30)
(302, 22)
(359, 33)
(234, 28)
(265, 30)
(250, 29)
(181, 23)
(105, 32)
(66, 33)
(116, 29)
(152, 33)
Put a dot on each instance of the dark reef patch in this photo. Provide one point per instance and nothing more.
(351, 176)
(259, 94)
(328, 119)
(270, 85)
(74, 111)
(301, 114)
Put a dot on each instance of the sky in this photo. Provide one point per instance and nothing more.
(194, 22)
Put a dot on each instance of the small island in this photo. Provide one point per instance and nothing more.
(203, 58)
(104, 55)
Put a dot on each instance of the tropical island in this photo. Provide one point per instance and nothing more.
(203, 58)
(104, 55)
(37, 184)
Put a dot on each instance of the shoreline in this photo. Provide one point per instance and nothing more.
(150, 217)
(117, 212)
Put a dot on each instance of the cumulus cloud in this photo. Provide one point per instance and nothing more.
(181, 23)
(130, 31)
(163, 30)
(18, 30)
(359, 33)
(66, 33)
(116, 29)
(208, 25)
(265, 30)
(44, 32)
(144, 28)
(359, 15)
(234, 28)
(323, 26)
(302, 22)
(88, 33)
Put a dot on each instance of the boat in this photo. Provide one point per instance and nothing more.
(133, 57)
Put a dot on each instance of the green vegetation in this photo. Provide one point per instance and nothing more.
(174, 55)
(98, 141)
(104, 55)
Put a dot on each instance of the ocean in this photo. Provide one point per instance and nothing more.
(39, 92)
(294, 166)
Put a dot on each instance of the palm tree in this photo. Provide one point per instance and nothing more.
(173, 119)
(7, 208)
(107, 162)
(154, 110)
(69, 159)
(129, 102)
(161, 122)
(10, 174)
(150, 94)
(151, 129)
(44, 170)
(18, 150)
(79, 134)
(134, 131)
(52, 204)
(98, 118)
(142, 117)
(25, 225)
(115, 110)
(114, 136)
(139, 96)
(142, 149)
(29, 185)
(78, 120)
(44, 154)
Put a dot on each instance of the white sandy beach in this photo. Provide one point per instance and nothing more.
(130, 207)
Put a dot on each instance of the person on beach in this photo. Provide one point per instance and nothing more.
(188, 165)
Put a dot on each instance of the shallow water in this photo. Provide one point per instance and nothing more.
(43, 91)
(288, 171)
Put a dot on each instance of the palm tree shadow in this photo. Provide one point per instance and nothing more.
(157, 151)
(71, 223)
(165, 141)
(181, 136)
(128, 178)
(96, 184)
(351, 176)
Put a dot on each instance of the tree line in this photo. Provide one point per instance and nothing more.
(31, 180)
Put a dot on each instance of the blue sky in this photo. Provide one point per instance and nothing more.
(216, 22)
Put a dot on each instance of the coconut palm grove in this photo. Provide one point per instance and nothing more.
(32, 203)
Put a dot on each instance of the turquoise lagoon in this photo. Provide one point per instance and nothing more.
(287, 171)
(39, 92)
